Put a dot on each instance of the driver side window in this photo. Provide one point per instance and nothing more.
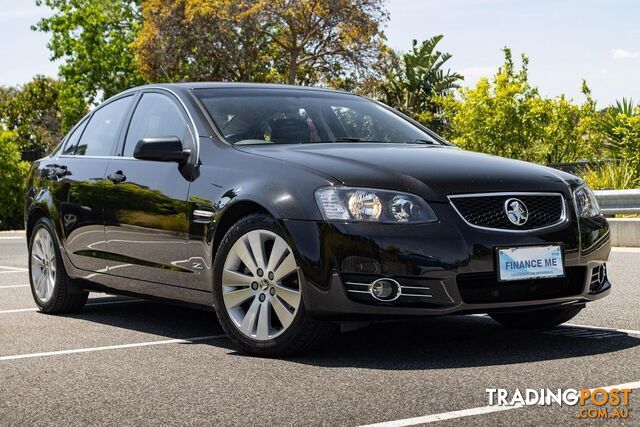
(156, 115)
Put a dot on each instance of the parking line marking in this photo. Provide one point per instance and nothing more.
(601, 328)
(20, 310)
(111, 347)
(621, 249)
(13, 238)
(576, 325)
(475, 411)
(14, 286)
(14, 268)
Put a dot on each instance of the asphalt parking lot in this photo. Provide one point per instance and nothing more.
(129, 362)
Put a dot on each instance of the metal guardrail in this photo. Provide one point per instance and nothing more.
(618, 201)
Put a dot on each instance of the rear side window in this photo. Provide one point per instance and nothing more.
(156, 115)
(72, 142)
(101, 134)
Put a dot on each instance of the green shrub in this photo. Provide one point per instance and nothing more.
(611, 176)
(11, 182)
(620, 127)
(507, 116)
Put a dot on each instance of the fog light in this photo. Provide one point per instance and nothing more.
(385, 289)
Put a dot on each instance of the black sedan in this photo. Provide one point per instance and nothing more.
(292, 211)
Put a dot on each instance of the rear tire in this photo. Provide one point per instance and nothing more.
(53, 290)
(539, 319)
(258, 294)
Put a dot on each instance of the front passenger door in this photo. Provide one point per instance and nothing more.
(146, 201)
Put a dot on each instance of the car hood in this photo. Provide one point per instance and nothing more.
(427, 170)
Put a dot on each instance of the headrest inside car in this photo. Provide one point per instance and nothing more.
(289, 131)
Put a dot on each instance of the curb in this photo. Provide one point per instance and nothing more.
(625, 232)
(12, 234)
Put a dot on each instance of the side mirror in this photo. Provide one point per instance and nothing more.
(161, 149)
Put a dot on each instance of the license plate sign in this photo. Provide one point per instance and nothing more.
(530, 262)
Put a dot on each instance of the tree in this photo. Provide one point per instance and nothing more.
(93, 38)
(292, 41)
(507, 117)
(11, 182)
(33, 114)
(415, 79)
(201, 40)
(620, 129)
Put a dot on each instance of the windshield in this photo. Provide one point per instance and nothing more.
(289, 116)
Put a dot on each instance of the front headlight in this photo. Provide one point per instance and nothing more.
(367, 205)
(586, 202)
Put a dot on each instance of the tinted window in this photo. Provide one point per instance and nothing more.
(101, 133)
(266, 116)
(156, 115)
(72, 141)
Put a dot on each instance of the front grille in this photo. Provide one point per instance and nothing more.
(484, 288)
(488, 210)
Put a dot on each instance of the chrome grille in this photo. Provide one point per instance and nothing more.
(487, 210)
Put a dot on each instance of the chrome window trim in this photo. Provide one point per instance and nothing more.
(196, 142)
(564, 218)
(133, 92)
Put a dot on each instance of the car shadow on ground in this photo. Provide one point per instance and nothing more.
(432, 343)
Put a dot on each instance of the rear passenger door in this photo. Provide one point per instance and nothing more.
(78, 182)
(146, 201)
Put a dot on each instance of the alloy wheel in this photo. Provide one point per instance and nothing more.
(260, 285)
(43, 265)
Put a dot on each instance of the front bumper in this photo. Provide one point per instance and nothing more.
(447, 267)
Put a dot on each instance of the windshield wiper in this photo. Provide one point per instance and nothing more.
(341, 139)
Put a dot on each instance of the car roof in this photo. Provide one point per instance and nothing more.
(233, 85)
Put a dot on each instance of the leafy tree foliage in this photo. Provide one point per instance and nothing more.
(620, 128)
(414, 80)
(290, 41)
(93, 38)
(507, 116)
(611, 175)
(11, 182)
(32, 112)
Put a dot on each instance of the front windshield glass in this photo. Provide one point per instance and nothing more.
(289, 116)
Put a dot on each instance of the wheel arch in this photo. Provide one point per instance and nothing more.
(33, 216)
(232, 214)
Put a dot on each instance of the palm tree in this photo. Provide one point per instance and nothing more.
(620, 126)
(417, 77)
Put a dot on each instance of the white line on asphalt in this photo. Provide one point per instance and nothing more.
(20, 310)
(14, 286)
(600, 328)
(627, 250)
(475, 411)
(12, 272)
(111, 347)
(13, 238)
(576, 325)
(6, 267)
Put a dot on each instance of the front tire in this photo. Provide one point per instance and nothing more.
(258, 294)
(52, 289)
(538, 319)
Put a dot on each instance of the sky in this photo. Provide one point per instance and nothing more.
(565, 40)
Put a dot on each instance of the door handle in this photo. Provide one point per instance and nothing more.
(60, 171)
(54, 171)
(117, 177)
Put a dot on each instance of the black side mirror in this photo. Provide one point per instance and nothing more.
(161, 149)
